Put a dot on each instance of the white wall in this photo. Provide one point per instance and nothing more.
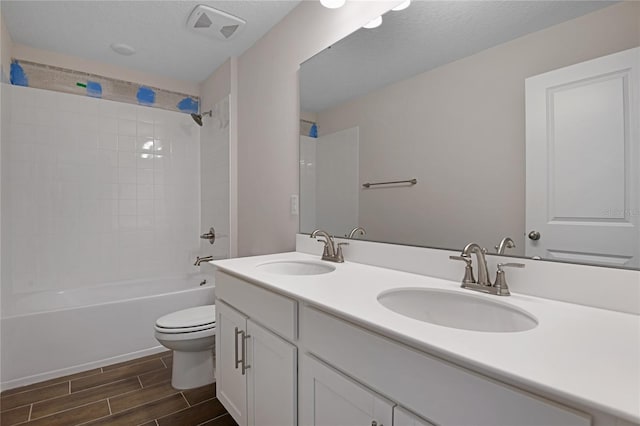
(268, 111)
(214, 179)
(97, 191)
(459, 129)
(307, 175)
(6, 46)
(337, 187)
(329, 182)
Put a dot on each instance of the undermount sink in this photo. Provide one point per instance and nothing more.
(457, 310)
(291, 267)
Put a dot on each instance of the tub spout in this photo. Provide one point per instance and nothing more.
(200, 260)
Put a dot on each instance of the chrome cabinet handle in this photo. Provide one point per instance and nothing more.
(238, 332)
(534, 235)
(245, 367)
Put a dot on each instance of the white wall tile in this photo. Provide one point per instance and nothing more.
(74, 168)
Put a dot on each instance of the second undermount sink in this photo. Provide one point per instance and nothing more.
(457, 310)
(296, 267)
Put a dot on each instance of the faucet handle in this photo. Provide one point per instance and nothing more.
(339, 257)
(468, 269)
(325, 252)
(466, 259)
(509, 265)
(502, 289)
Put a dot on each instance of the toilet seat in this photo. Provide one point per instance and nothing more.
(189, 320)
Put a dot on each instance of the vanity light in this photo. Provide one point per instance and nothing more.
(374, 23)
(402, 6)
(333, 4)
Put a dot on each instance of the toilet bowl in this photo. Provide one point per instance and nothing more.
(191, 334)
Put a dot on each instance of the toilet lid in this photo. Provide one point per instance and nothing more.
(189, 318)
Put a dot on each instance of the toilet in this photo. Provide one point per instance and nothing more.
(191, 334)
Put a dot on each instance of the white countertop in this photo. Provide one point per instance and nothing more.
(583, 354)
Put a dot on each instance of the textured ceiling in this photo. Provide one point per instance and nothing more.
(426, 35)
(157, 29)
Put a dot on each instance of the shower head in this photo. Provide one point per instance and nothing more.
(198, 117)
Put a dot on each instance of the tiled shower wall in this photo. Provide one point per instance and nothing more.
(95, 191)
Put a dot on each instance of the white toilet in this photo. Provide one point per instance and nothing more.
(191, 334)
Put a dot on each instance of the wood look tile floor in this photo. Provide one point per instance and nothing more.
(136, 392)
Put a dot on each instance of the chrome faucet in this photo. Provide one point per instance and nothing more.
(332, 251)
(506, 243)
(499, 288)
(200, 260)
(355, 230)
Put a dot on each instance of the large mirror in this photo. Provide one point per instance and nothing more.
(497, 119)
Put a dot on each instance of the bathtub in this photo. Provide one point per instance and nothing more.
(52, 334)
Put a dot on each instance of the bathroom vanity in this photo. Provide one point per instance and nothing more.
(302, 341)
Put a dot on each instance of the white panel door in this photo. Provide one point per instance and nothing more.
(231, 383)
(271, 379)
(329, 398)
(402, 417)
(583, 161)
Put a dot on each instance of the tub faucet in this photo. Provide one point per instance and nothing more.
(200, 260)
(330, 253)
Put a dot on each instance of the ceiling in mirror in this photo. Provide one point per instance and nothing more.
(425, 36)
(506, 118)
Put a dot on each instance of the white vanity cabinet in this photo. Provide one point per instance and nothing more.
(351, 375)
(330, 398)
(256, 369)
(432, 388)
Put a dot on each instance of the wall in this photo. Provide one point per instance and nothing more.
(97, 191)
(329, 182)
(268, 111)
(5, 51)
(215, 160)
(214, 180)
(459, 129)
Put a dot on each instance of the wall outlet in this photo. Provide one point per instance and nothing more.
(293, 201)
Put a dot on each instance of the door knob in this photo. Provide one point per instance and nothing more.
(534, 235)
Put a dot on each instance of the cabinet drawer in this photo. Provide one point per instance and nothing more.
(435, 389)
(277, 313)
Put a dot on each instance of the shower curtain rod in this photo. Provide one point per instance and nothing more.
(307, 121)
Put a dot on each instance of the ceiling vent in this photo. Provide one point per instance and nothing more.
(214, 23)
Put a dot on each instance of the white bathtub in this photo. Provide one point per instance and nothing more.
(51, 334)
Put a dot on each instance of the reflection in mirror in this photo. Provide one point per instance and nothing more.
(453, 94)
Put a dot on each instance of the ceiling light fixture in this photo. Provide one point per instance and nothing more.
(123, 49)
(402, 6)
(374, 23)
(333, 4)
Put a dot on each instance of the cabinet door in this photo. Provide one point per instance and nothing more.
(231, 384)
(271, 379)
(402, 417)
(329, 398)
